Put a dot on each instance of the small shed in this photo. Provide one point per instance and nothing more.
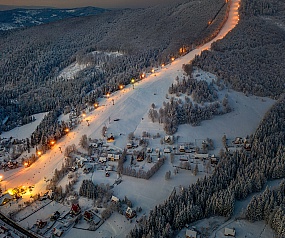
(230, 232)
(191, 234)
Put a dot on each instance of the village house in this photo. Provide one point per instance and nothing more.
(214, 160)
(55, 216)
(87, 168)
(102, 159)
(167, 150)
(75, 209)
(140, 156)
(111, 138)
(115, 199)
(113, 157)
(57, 232)
(5, 199)
(168, 139)
(181, 148)
(129, 145)
(130, 213)
(201, 156)
(88, 216)
(230, 232)
(41, 224)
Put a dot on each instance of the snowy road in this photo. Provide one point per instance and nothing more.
(130, 106)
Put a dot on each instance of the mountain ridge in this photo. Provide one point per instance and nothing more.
(27, 17)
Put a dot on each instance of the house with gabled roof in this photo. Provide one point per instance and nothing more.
(75, 209)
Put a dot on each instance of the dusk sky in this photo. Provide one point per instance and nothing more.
(82, 3)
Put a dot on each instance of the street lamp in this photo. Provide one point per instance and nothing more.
(1, 178)
(108, 95)
(133, 82)
(39, 153)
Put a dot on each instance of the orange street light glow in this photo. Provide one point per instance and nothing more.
(52, 142)
(172, 59)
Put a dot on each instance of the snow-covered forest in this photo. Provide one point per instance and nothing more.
(33, 58)
(200, 103)
(250, 57)
(269, 206)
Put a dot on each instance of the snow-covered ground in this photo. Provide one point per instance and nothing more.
(131, 106)
(25, 131)
(72, 70)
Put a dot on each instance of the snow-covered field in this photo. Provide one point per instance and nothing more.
(72, 70)
(25, 131)
(131, 106)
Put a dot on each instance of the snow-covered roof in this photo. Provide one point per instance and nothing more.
(230, 231)
(191, 234)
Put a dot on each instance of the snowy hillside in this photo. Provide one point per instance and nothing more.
(125, 112)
